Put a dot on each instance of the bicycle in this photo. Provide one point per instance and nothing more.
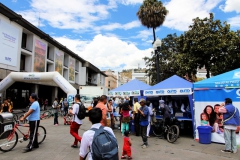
(46, 114)
(171, 131)
(10, 137)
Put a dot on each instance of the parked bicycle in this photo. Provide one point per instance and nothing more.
(170, 132)
(9, 138)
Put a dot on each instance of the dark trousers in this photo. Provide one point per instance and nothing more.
(56, 118)
(33, 138)
(143, 130)
(136, 124)
(65, 111)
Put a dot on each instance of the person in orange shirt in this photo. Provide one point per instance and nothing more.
(102, 105)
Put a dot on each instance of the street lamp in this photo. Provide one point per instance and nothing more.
(157, 47)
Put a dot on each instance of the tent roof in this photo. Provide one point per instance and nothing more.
(228, 79)
(131, 86)
(172, 83)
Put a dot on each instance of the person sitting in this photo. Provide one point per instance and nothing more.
(5, 107)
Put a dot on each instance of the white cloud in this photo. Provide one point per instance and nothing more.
(143, 34)
(107, 52)
(181, 12)
(113, 26)
(130, 2)
(230, 6)
(234, 21)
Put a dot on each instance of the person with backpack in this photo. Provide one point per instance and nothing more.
(77, 120)
(98, 143)
(143, 122)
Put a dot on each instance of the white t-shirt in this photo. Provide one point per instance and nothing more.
(75, 112)
(87, 139)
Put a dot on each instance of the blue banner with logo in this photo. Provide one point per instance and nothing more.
(178, 91)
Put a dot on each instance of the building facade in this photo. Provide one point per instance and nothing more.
(110, 80)
(140, 74)
(25, 48)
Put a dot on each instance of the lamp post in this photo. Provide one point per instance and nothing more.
(157, 46)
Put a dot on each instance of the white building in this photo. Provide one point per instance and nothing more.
(140, 75)
(25, 48)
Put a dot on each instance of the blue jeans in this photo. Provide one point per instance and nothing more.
(230, 140)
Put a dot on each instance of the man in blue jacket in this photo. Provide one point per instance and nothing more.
(230, 121)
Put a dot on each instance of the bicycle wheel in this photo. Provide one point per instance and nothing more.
(157, 129)
(45, 115)
(22, 122)
(173, 133)
(41, 134)
(8, 140)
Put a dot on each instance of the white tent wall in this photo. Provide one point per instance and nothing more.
(39, 77)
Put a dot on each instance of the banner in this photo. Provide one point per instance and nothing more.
(9, 39)
(110, 93)
(71, 70)
(126, 93)
(40, 56)
(135, 93)
(179, 91)
(205, 101)
(59, 55)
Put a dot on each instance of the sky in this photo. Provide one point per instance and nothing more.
(108, 34)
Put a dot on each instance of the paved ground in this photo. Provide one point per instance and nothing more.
(58, 141)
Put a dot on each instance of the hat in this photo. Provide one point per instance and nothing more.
(161, 101)
(34, 96)
(142, 100)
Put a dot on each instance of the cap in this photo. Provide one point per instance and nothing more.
(142, 100)
(161, 101)
(34, 96)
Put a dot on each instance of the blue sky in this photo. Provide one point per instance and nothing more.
(108, 33)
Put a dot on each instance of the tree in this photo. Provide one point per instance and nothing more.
(152, 14)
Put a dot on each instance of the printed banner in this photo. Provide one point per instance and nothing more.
(118, 93)
(9, 39)
(71, 69)
(126, 93)
(31, 76)
(135, 93)
(205, 101)
(110, 93)
(179, 91)
(40, 56)
(59, 55)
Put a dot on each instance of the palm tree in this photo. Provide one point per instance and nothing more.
(152, 14)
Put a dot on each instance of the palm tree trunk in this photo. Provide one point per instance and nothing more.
(157, 58)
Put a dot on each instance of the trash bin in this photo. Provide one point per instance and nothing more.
(6, 122)
(204, 133)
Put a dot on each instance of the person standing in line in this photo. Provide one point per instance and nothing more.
(102, 105)
(135, 116)
(55, 111)
(231, 120)
(34, 119)
(149, 105)
(144, 112)
(76, 121)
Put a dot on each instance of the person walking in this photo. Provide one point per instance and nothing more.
(143, 111)
(34, 119)
(55, 111)
(102, 105)
(76, 122)
(149, 105)
(230, 121)
(135, 116)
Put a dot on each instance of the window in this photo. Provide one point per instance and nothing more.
(109, 83)
(24, 40)
(22, 62)
(48, 50)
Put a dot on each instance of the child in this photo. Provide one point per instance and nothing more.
(204, 119)
(125, 117)
(127, 146)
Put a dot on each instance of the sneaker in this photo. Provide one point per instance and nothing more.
(123, 157)
(129, 157)
(74, 146)
(27, 149)
(226, 151)
(144, 146)
(234, 152)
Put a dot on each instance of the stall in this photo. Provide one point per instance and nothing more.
(213, 91)
(175, 87)
(132, 88)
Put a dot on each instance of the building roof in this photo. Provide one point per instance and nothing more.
(17, 18)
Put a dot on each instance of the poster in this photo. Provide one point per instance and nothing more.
(40, 56)
(206, 103)
(71, 69)
(59, 55)
(9, 39)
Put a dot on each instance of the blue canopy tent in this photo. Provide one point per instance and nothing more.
(173, 86)
(213, 91)
(132, 88)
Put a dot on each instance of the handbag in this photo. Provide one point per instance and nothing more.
(223, 121)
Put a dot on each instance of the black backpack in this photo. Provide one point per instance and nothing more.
(104, 145)
(81, 111)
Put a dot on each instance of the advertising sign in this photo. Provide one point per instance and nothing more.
(31, 76)
(118, 93)
(135, 93)
(9, 39)
(59, 55)
(40, 56)
(205, 105)
(71, 69)
(179, 91)
(110, 93)
(126, 93)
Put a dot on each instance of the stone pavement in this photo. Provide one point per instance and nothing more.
(58, 141)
